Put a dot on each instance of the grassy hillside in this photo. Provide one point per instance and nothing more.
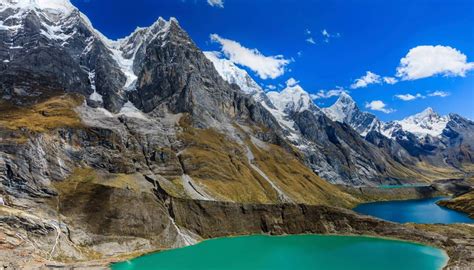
(222, 167)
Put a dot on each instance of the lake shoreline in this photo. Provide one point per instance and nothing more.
(423, 211)
(452, 239)
(338, 237)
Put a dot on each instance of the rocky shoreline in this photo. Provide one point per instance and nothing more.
(463, 203)
(196, 220)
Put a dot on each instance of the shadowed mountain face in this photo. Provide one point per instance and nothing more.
(104, 145)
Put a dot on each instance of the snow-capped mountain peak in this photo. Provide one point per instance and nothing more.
(345, 99)
(427, 122)
(343, 109)
(291, 99)
(54, 7)
(233, 74)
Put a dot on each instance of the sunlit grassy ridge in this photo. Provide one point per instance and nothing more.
(221, 165)
(44, 116)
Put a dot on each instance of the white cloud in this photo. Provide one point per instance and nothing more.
(310, 40)
(216, 3)
(427, 61)
(378, 105)
(390, 80)
(364, 81)
(409, 97)
(291, 82)
(439, 94)
(323, 94)
(327, 35)
(265, 66)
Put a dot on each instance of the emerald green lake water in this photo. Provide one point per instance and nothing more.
(296, 252)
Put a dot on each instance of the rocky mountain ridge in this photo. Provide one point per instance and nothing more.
(392, 147)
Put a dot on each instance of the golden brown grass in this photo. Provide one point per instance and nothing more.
(82, 177)
(220, 164)
(296, 179)
(44, 116)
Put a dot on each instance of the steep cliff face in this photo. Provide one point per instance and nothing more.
(94, 125)
(49, 50)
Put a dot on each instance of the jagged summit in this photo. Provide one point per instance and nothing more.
(345, 98)
(291, 99)
(345, 110)
(427, 122)
(233, 74)
(342, 109)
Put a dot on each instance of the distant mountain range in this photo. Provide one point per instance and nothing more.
(439, 141)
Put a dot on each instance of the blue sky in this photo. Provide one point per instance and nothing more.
(359, 36)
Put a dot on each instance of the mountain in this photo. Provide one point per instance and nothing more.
(425, 123)
(346, 111)
(98, 136)
(326, 138)
(426, 137)
(440, 140)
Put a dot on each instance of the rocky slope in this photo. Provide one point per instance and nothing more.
(112, 147)
(463, 203)
(347, 146)
(345, 110)
(154, 220)
(444, 143)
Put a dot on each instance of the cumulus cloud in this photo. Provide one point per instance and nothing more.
(323, 94)
(378, 105)
(390, 80)
(364, 81)
(265, 66)
(439, 94)
(216, 3)
(427, 61)
(409, 97)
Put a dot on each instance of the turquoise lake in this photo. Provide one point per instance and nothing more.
(295, 252)
(416, 211)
